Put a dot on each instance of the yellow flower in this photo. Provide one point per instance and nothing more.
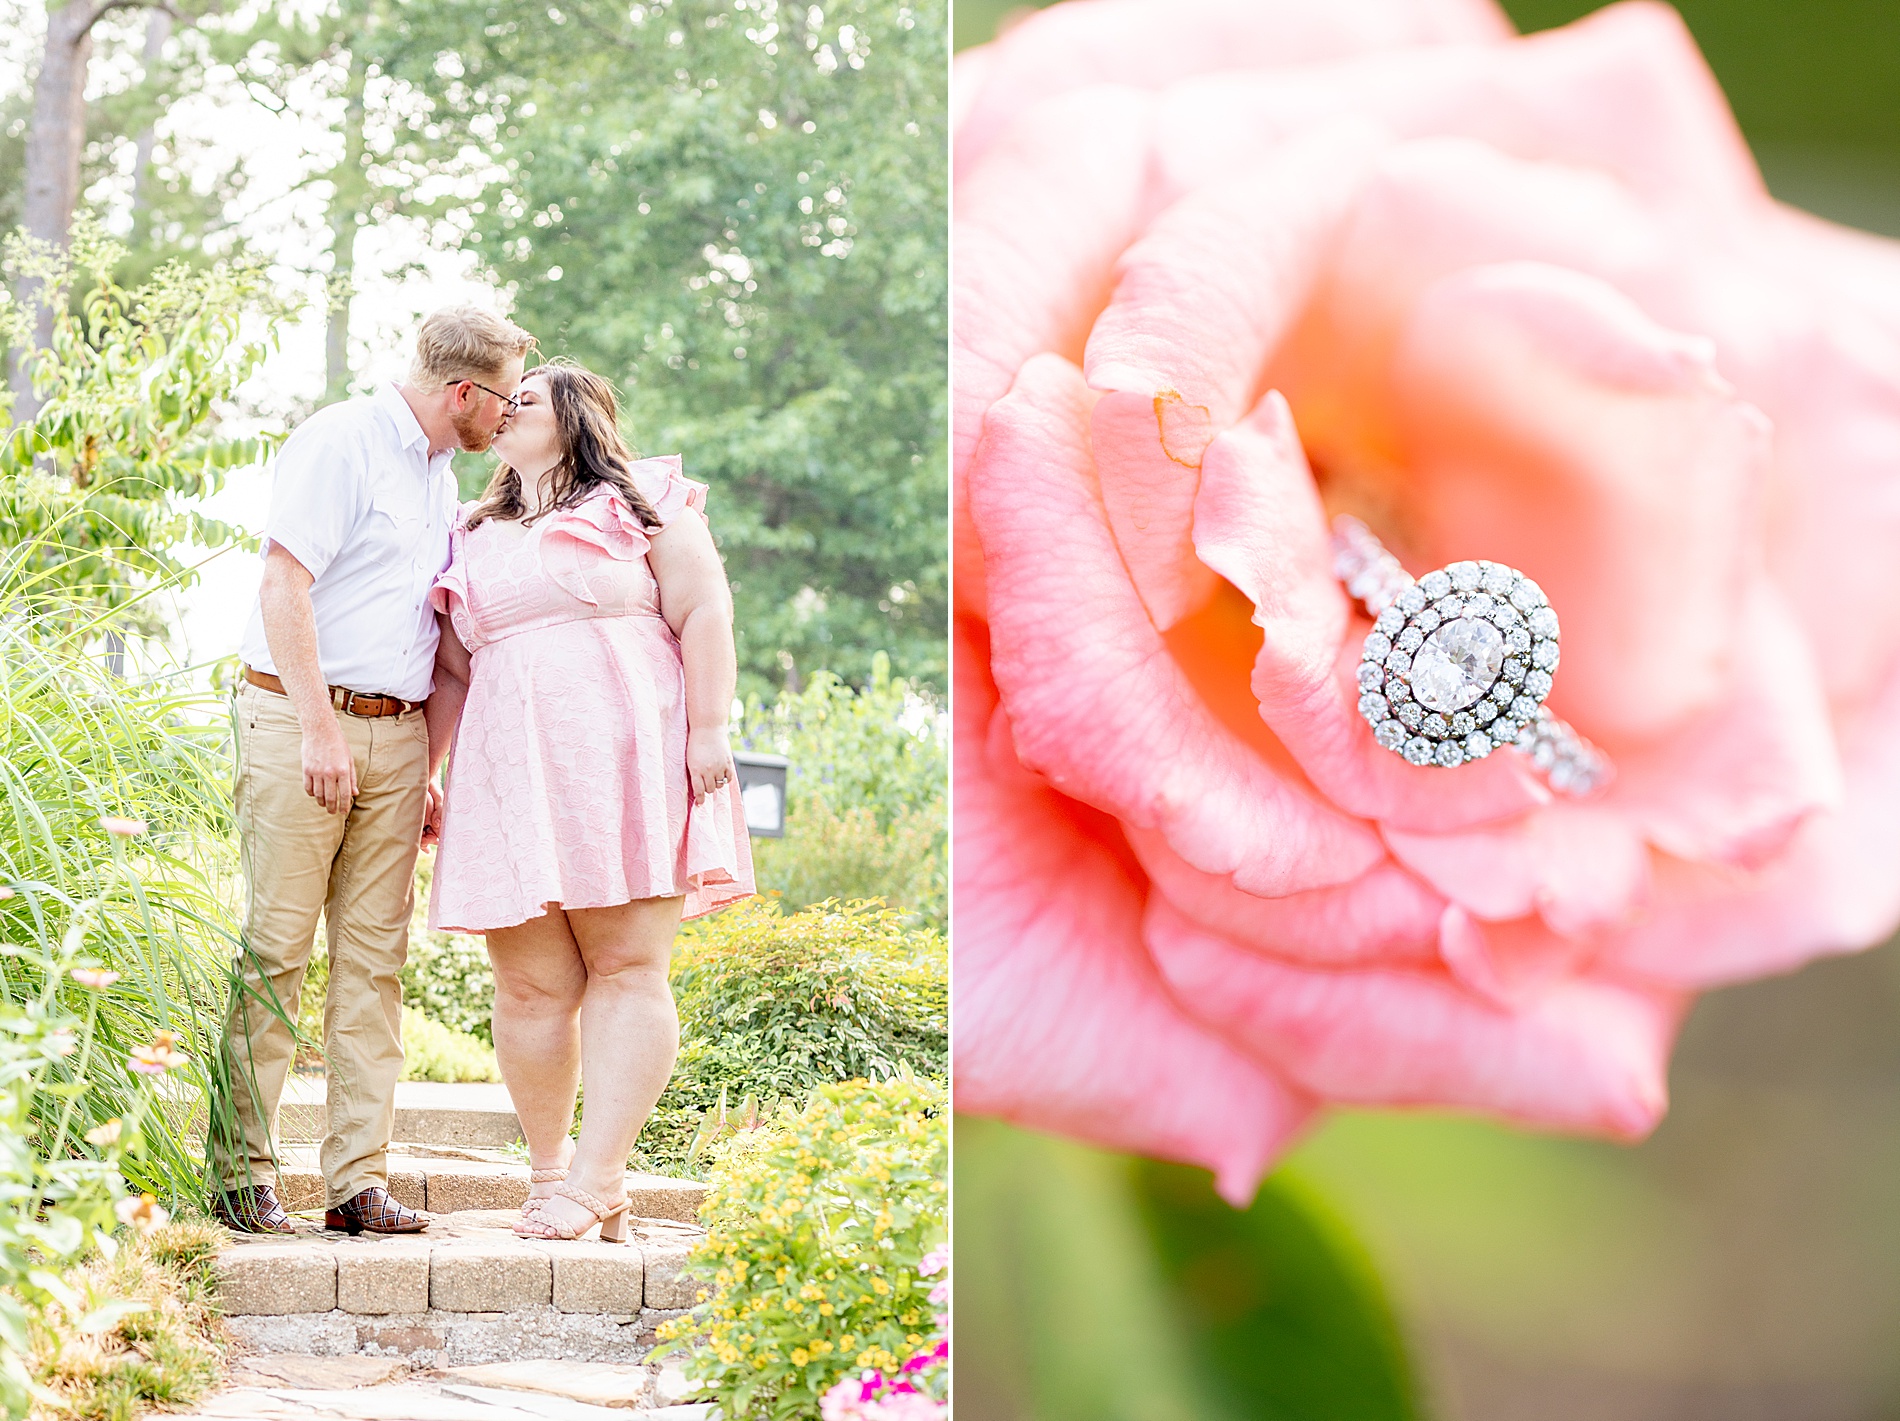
(800, 1356)
(825, 1309)
(106, 1134)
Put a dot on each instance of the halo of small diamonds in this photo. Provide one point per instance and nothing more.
(1459, 663)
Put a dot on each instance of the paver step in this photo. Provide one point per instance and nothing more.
(465, 1292)
(446, 1182)
(464, 1113)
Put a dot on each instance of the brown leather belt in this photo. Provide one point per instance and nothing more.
(344, 699)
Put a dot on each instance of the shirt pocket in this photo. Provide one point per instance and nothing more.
(396, 520)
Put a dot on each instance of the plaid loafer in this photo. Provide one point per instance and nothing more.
(251, 1209)
(373, 1211)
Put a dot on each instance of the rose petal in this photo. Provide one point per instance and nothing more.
(1511, 964)
(1832, 890)
(1258, 522)
(1550, 425)
(1036, 237)
(1734, 784)
(1384, 917)
(1097, 704)
(1582, 867)
(1585, 1056)
(1624, 90)
(1148, 45)
(1062, 1023)
(1183, 340)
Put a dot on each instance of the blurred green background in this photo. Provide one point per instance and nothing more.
(1741, 1265)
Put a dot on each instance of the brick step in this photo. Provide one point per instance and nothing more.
(466, 1292)
(462, 1113)
(450, 1182)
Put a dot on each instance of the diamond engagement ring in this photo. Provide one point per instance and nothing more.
(1458, 663)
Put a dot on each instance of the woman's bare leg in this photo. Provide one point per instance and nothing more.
(540, 981)
(629, 1035)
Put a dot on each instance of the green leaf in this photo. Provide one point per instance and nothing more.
(1282, 1310)
(107, 1316)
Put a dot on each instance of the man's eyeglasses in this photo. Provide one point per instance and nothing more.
(512, 401)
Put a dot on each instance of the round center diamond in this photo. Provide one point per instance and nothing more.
(1458, 663)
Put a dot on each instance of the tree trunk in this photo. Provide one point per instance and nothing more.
(349, 192)
(55, 140)
(158, 29)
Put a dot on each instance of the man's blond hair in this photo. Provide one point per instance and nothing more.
(465, 343)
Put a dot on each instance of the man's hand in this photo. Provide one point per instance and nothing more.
(329, 770)
(431, 817)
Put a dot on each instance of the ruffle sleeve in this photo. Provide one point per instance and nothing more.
(604, 521)
(662, 481)
(451, 584)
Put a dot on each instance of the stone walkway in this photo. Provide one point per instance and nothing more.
(293, 1387)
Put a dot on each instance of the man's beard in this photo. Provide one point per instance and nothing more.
(469, 433)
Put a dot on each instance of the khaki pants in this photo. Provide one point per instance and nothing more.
(357, 870)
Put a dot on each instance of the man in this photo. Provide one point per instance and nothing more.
(333, 790)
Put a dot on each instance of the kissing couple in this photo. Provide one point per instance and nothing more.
(569, 637)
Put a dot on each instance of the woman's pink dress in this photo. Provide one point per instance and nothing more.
(568, 781)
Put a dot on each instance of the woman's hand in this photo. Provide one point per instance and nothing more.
(708, 760)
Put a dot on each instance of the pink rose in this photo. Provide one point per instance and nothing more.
(1523, 299)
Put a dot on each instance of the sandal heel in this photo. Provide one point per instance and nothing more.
(614, 1228)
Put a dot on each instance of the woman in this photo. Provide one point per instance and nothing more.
(587, 636)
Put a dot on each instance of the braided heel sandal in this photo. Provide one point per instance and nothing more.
(612, 1218)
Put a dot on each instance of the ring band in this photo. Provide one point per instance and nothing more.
(1459, 662)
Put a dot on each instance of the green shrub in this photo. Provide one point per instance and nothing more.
(447, 977)
(772, 1006)
(816, 1227)
(864, 796)
(827, 853)
(434, 1052)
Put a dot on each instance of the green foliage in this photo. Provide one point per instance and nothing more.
(434, 1052)
(865, 812)
(736, 209)
(1270, 1312)
(142, 1331)
(816, 1228)
(54, 1207)
(772, 1006)
(94, 493)
(447, 977)
(1282, 1309)
(78, 745)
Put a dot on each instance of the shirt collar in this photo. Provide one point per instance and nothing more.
(408, 430)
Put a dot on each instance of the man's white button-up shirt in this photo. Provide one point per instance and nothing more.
(357, 499)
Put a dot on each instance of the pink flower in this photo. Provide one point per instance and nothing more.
(95, 978)
(122, 828)
(159, 1057)
(868, 1399)
(1513, 298)
(934, 1261)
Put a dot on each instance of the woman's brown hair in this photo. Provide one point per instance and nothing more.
(586, 418)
